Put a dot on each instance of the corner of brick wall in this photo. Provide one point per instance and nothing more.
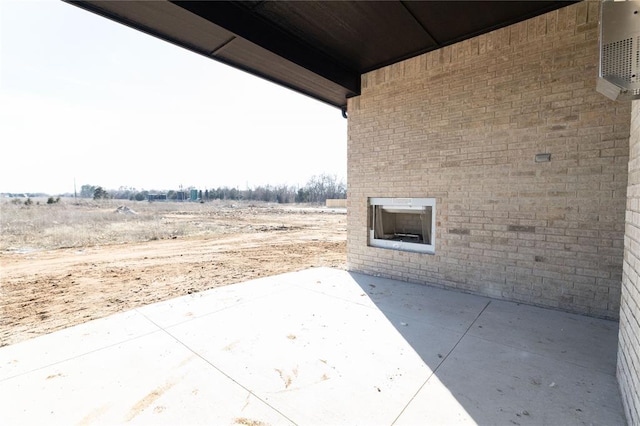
(463, 124)
(629, 337)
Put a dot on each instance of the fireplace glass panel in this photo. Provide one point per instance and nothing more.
(402, 223)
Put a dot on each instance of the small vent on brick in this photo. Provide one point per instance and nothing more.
(543, 158)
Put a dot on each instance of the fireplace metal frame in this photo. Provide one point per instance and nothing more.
(412, 242)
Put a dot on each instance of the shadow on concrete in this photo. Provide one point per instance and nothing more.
(497, 362)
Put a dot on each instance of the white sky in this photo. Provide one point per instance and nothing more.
(85, 98)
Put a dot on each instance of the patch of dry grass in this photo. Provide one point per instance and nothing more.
(85, 223)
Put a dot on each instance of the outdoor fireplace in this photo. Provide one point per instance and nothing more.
(406, 224)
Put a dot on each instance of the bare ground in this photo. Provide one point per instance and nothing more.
(46, 290)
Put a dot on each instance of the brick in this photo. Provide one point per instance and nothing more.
(465, 122)
(628, 369)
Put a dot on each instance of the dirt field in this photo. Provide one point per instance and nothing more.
(43, 289)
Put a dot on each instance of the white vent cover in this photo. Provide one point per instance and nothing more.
(619, 76)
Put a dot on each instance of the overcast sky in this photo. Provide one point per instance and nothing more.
(85, 98)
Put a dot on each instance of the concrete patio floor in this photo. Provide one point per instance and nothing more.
(319, 347)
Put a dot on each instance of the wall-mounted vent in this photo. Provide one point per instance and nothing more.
(619, 76)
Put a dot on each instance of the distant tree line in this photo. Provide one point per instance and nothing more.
(316, 190)
(29, 201)
(95, 192)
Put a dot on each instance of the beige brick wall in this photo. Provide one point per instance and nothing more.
(463, 124)
(629, 337)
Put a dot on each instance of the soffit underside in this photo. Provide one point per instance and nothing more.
(317, 48)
